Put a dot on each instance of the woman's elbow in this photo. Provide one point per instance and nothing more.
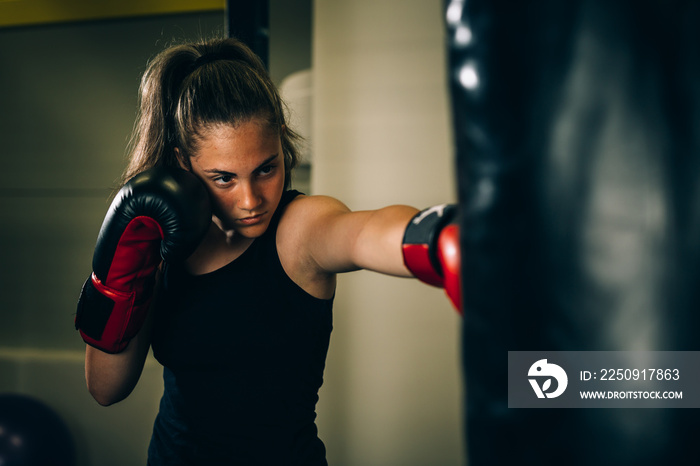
(102, 401)
(108, 383)
(105, 396)
(111, 378)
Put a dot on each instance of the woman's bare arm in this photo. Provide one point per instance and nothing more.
(112, 377)
(339, 240)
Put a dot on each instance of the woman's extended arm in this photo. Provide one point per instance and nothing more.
(396, 240)
(339, 240)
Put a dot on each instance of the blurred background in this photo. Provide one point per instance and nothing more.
(366, 84)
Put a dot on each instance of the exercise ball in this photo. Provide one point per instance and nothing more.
(32, 434)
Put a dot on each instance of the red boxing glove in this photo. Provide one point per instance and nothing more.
(431, 250)
(160, 214)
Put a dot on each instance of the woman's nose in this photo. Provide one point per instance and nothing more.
(249, 198)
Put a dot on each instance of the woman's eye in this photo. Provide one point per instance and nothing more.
(223, 179)
(267, 169)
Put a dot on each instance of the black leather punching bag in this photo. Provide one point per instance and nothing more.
(577, 131)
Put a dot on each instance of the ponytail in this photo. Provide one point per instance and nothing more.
(190, 88)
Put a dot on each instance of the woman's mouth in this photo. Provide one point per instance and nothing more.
(252, 220)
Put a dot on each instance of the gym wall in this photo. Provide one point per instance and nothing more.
(66, 110)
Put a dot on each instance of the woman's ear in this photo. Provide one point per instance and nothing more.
(182, 160)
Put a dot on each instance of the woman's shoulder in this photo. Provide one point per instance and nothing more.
(304, 223)
(310, 212)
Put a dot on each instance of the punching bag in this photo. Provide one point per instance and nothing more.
(577, 133)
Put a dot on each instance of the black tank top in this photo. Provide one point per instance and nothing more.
(243, 350)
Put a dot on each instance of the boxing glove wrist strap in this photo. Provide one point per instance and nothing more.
(106, 317)
(420, 243)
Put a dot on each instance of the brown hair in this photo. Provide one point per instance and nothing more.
(190, 88)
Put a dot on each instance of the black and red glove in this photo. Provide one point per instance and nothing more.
(431, 250)
(160, 214)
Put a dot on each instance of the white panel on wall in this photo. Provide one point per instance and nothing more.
(296, 91)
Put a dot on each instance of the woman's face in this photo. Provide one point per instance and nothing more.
(243, 169)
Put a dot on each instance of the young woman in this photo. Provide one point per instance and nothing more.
(242, 325)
